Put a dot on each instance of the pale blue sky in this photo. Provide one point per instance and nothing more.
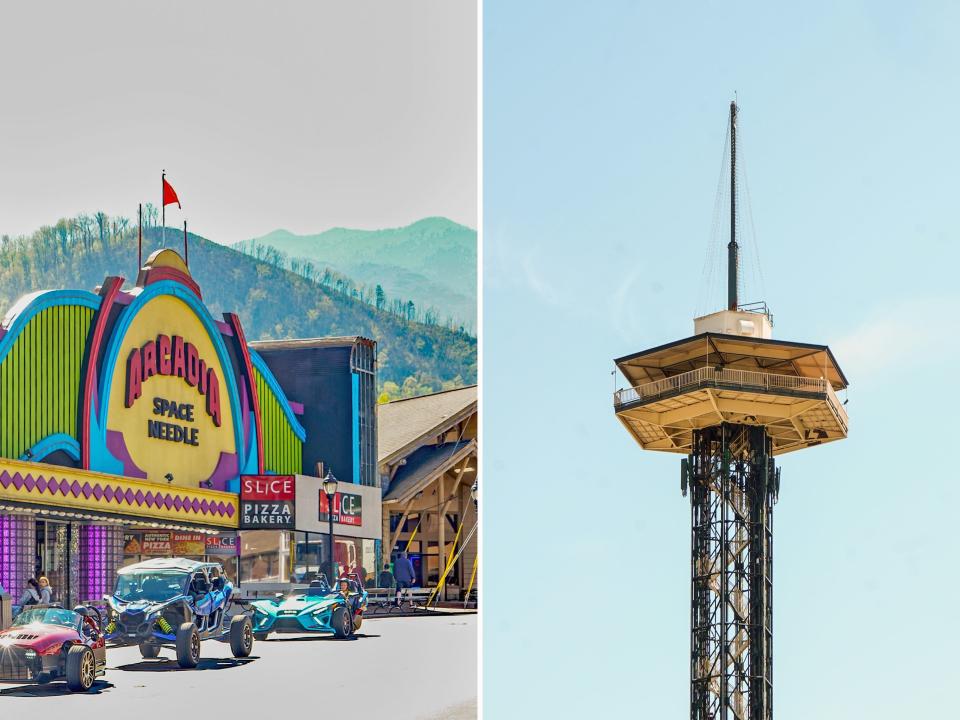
(603, 134)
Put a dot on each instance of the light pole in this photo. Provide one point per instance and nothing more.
(330, 490)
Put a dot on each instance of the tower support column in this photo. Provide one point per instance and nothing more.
(733, 484)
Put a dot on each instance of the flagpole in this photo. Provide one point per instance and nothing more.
(186, 255)
(163, 210)
(139, 237)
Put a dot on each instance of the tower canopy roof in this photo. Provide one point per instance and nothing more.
(730, 351)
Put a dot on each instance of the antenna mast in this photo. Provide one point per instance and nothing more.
(733, 250)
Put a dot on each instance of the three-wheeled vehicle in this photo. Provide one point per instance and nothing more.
(320, 608)
(47, 643)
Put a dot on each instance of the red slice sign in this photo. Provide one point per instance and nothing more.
(267, 487)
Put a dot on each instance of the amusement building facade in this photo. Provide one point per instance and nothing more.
(127, 418)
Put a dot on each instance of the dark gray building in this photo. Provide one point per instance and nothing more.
(335, 379)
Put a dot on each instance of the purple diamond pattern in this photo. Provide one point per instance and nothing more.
(117, 494)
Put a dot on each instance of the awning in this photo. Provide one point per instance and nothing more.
(424, 466)
(68, 492)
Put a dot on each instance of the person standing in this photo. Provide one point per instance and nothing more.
(46, 592)
(386, 576)
(403, 573)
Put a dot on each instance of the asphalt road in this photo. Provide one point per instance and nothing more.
(401, 668)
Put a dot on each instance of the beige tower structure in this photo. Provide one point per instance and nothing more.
(730, 398)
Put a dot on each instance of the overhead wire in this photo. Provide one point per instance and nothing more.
(757, 268)
(750, 276)
(710, 275)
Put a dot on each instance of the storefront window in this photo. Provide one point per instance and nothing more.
(356, 555)
(53, 558)
(310, 556)
(265, 556)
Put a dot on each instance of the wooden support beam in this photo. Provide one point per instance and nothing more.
(441, 529)
(442, 515)
(403, 518)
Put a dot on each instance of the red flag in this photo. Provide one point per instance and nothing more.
(170, 195)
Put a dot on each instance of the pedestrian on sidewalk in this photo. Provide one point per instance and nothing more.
(30, 596)
(386, 576)
(46, 592)
(404, 575)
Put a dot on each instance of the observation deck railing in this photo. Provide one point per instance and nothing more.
(748, 380)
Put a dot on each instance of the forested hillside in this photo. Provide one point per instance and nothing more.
(430, 265)
(273, 303)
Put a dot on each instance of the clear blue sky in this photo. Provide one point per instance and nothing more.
(603, 133)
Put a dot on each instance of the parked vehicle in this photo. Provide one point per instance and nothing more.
(47, 643)
(175, 602)
(318, 609)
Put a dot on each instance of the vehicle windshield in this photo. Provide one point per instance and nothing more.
(151, 585)
(48, 616)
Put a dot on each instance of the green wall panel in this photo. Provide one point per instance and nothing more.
(282, 449)
(40, 378)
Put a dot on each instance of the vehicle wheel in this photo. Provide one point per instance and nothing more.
(241, 635)
(260, 637)
(342, 626)
(188, 645)
(357, 621)
(81, 668)
(149, 650)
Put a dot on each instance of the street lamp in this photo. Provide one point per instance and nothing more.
(330, 490)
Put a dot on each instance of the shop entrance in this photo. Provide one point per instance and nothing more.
(53, 558)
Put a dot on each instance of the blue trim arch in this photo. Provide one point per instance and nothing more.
(100, 457)
(52, 443)
(31, 305)
(261, 367)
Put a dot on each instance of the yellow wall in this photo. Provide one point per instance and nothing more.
(188, 464)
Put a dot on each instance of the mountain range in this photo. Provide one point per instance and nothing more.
(432, 262)
(272, 302)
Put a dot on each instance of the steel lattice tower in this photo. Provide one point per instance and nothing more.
(730, 398)
(732, 491)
